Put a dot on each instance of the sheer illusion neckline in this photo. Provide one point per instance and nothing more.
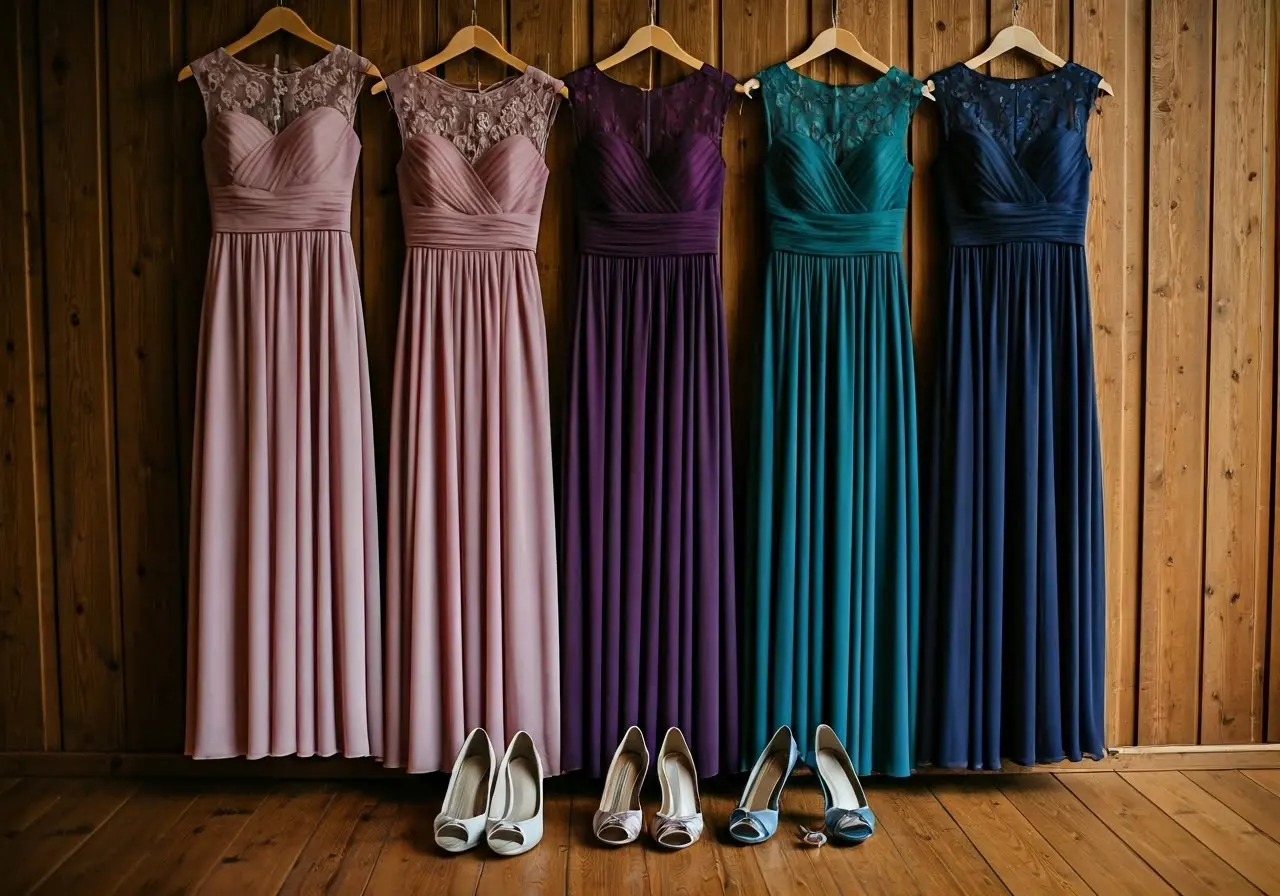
(651, 90)
(885, 78)
(272, 71)
(488, 90)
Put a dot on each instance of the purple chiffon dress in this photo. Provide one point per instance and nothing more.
(648, 623)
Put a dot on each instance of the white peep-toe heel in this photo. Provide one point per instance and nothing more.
(514, 825)
(461, 821)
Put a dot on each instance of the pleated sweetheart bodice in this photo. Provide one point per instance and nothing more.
(837, 176)
(649, 164)
(1016, 162)
(286, 163)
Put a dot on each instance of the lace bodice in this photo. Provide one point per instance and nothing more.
(838, 117)
(652, 121)
(474, 120)
(278, 97)
(1017, 110)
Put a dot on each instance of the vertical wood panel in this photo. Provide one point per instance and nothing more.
(29, 710)
(81, 367)
(393, 34)
(473, 68)
(553, 36)
(1049, 19)
(942, 32)
(141, 113)
(1271, 190)
(753, 37)
(1177, 352)
(1238, 473)
(612, 22)
(1110, 37)
(107, 187)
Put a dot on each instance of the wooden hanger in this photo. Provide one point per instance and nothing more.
(832, 38)
(1015, 37)
(280, 18)
(651, 37)
(471, 37)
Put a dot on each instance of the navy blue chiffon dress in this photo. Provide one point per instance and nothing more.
(1013, 608)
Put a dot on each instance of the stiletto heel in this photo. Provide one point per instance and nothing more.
(619, 819)
(514, 825)
(755, 819)
(847, 816)
(461, 821)
(679, 822)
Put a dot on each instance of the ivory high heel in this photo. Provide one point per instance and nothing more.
(461, 821)
(755, 819)
(846, 816)
(679, 821)
(618, 820)
(514, 825)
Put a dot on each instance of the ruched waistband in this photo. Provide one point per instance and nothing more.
(836, 233)
(435, 229)
(238, 209)
(647, 234)
(1012, 222)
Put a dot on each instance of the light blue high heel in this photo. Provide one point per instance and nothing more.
(847, 817)
(755, 819)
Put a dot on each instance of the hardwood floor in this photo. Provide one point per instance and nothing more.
(1103, 832)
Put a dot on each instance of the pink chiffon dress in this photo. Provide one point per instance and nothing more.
(472, 606)
(284, 650)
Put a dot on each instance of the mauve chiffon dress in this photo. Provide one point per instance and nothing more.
(472, 609)
(649, 624)
(285, 631)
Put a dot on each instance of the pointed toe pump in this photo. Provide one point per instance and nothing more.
(847, 817)
(755, 819)
(679, 821)
(514, 825)
(618, 821)
(461, 822)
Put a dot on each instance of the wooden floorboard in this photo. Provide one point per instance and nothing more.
(1184, 862)
(1238, 843)
(82, 808)
(1106, 833)
(1244, 796)
(1102, 859)
(1024, 859)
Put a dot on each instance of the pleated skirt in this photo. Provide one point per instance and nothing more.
(1014, 640)
(649, 619)
(833, 572)
(472, 603)
(285, 618)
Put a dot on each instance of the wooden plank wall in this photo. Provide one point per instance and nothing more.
(104, 233)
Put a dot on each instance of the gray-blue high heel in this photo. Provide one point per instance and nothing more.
(755, 819)
(846, 817)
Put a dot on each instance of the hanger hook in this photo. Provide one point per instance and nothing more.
(835, 13)
(473, 12)
(653, 12)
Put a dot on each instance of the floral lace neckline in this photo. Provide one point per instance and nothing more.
(894, 75)
(497, 87)
(661, 88)
(273, 71)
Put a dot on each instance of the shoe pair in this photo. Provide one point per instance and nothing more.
(620, 819)
(504, 807)
(846, 817)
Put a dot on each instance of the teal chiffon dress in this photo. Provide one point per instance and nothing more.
(833, 583)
